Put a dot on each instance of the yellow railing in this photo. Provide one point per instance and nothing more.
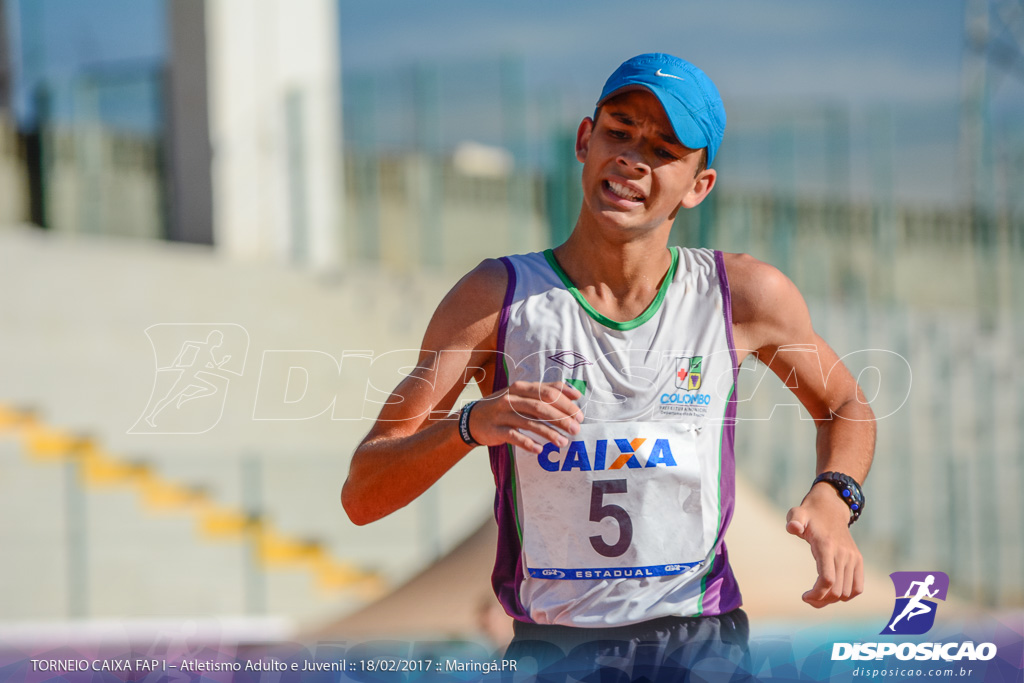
(100, 469)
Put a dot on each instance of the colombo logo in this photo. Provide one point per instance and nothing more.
(689, 374)
(689, 378)
(914, 612)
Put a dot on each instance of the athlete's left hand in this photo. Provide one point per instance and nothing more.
(822, 519)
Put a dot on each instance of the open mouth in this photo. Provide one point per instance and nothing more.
(623, 191)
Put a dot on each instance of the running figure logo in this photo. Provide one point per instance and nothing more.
(914, 612)
(194, 365)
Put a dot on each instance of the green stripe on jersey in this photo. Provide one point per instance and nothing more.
(579, 385)
(604, 320)
(721, 441)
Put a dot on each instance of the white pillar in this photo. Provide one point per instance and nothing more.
(274, 118)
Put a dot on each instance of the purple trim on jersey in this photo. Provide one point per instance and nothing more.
(722, 593)
(506, 307)
(723, 281)
(507, 576)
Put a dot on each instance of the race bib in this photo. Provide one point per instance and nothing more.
(620, 501)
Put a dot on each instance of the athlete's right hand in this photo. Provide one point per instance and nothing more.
(537, 407)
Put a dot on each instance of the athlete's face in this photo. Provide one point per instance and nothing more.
(636, 174)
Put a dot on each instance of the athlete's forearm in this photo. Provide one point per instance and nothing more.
(388, 473)
(846, 442)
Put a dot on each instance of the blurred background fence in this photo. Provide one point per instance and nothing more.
(187, 535)
(96, 171)
(902, 249)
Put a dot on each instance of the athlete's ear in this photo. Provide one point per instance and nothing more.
(583, 139)
(702, 185)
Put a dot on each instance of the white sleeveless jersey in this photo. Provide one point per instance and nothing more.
(624, 524)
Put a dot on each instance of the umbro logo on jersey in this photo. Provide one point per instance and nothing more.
(570, 359)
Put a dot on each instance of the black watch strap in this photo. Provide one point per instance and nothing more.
(848, 489)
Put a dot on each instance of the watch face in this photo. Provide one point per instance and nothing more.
(848, 489)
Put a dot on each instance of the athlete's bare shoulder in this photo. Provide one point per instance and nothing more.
(767, 308)
(467, 317)
(458, 344)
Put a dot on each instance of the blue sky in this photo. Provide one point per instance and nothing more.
(121, 42)
(869, 50)
(865, 52)
(893, 69)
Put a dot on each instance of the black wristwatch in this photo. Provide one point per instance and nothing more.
(849, 490)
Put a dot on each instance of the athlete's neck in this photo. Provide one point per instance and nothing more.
(619, 279)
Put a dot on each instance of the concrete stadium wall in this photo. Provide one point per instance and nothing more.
(75, 335)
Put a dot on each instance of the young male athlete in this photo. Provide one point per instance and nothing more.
(608, 369)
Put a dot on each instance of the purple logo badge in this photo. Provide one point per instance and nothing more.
(916, 596)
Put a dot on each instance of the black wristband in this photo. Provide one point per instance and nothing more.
(467, 437)
(848, 489)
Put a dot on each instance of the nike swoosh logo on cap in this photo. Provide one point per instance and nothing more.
(658, 73)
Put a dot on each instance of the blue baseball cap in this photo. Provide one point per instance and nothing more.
(688, 96)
